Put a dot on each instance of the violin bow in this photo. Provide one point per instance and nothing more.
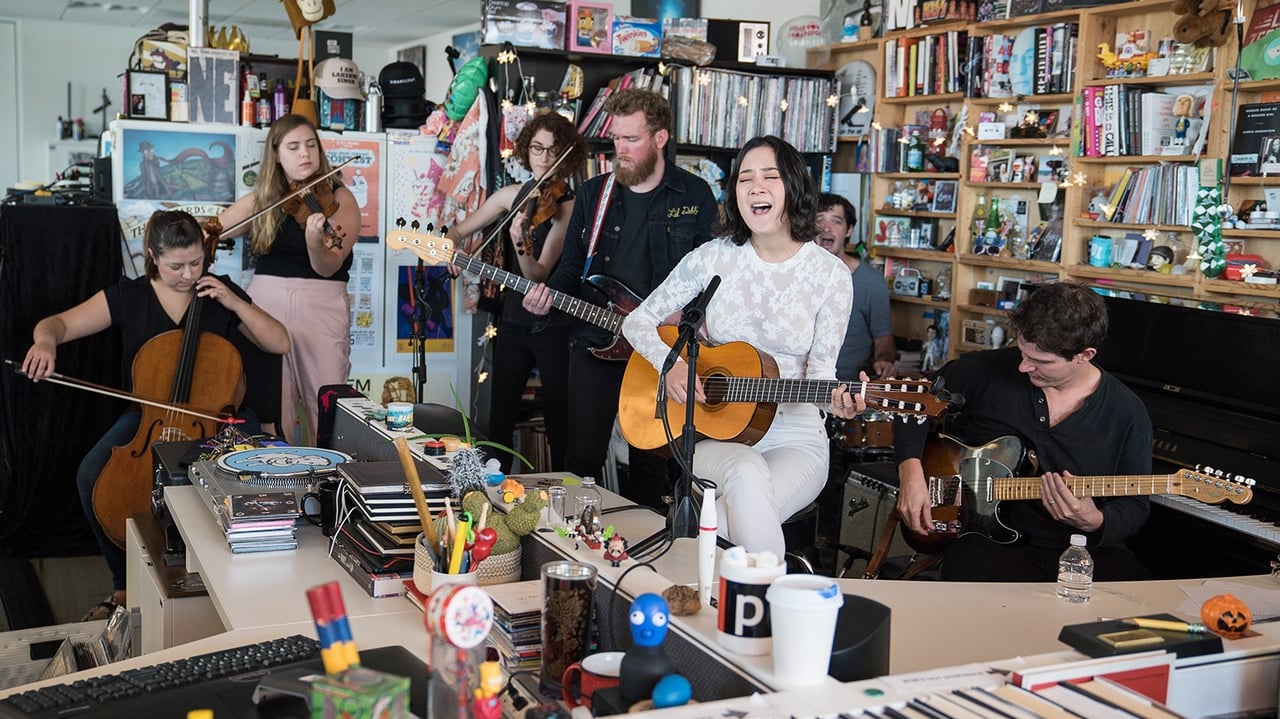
(227, 232)
(64, 380)
(537, 185)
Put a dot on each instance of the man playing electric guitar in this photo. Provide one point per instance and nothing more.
(1078, 419)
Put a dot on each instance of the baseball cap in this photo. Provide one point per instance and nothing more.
(401, 79)
(339, 78)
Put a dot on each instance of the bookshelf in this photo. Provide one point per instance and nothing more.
(1087, 181)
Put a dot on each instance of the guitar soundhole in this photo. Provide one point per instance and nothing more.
(715, 389)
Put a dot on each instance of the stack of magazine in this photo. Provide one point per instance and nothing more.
(517, 630)
(263, 522)
(377, 522)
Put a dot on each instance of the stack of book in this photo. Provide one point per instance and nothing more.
(517, 625)
(263, 522)
(377, 522)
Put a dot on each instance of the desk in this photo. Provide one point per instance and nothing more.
(940, 633)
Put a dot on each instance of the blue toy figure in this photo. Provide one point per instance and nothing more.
(645, 661)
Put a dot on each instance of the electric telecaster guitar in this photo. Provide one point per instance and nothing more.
(743, 391)
(438, 250)
(966, 485)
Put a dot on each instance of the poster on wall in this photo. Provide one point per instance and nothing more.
(365, 291)
(424, 308)
(213, 86)
(361, 177)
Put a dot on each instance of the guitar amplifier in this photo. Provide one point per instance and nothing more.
(870, 493)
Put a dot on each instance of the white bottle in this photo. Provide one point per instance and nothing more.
(587, 495)
(1075, 572)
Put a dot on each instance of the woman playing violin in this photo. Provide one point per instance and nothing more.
(303, 264)
(143, 308)
(532, 247)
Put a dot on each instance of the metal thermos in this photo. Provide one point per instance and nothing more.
(373, 109)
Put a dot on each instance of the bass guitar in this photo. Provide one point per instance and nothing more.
(439, 250)
(743, 391)
(966, 485)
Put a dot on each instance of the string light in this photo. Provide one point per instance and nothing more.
(490, 331)
(481, 377)
(1149, 234)
(506, 104)
(506, 152)
(876, 126)
(506, 57)
(833, 100)
(704, 78)
(531, 107)
(1248, 270)
(783, 105)
(1056, 151)
(1005, 107)
(742, 100)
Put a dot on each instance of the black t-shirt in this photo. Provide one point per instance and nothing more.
(513, 310)
(137, 312)
(288, 256)
(624, 247)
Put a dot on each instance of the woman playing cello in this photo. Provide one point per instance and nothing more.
(304, 256)
(143, 308)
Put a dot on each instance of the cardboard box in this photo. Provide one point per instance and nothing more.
(527, 23)
(590, 27)
(738, 40)
(637, 36)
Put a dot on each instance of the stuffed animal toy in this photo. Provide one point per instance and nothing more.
(305, 13)
(1203, 23)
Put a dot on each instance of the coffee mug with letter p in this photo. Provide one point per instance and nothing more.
(742, 619)
(583, 679)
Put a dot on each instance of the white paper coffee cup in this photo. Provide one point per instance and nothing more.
(803, 609)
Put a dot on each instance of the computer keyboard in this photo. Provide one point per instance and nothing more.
(91, 695)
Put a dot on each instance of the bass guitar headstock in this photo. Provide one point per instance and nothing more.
(429, 246)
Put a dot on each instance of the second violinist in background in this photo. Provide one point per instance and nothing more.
(531, 248)
(302, 271)
(868, 341)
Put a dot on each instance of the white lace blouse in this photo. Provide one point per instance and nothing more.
(796, 310)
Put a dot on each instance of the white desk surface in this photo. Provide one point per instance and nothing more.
(934, 625)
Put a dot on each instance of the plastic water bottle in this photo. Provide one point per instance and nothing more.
(1075, 572)
(587, 495)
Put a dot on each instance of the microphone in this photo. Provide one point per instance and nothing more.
(691, 320)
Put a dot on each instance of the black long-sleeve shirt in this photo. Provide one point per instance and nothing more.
(1109, 435)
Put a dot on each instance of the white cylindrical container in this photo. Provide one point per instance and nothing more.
(742, 619)
(803, 609)
(399, 415)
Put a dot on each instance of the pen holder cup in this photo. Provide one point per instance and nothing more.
(495, 569)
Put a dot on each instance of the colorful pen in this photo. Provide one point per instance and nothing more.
(459, 542)
(1165, 624)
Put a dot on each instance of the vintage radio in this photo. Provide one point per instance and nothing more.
(910, 282)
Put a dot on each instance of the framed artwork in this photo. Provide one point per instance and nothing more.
(590, 27)
(418, 56)
(890, 230)
(1008, 288)
(213, 85)
(944, 196)
(148, 95)
(974, 332)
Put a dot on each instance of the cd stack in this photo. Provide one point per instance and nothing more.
(517, 630)
(262, 522)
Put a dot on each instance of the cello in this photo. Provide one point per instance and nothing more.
(167, 366)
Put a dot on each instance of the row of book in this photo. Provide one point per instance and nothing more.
(1133, 120)
(595, 122)
(724, 108)
(926, 65)
(1154, 195)
(377, 522)
(1037, 61)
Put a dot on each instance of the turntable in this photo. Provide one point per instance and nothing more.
(292, 470)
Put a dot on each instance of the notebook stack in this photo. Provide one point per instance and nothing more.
(378, 522)
(260, 522)
(517, 625)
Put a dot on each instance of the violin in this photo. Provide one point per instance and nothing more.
(540, 205)
(308, 197)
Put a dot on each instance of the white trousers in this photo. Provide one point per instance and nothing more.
(761, 485)
(317, 314)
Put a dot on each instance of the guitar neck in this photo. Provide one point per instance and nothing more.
(1015, 488)
(601, 317)
(776, 390)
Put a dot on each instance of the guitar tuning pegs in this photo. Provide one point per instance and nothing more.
(414, 225)
(400, 223)
(920, 419)
(444, 229)
(430, 227)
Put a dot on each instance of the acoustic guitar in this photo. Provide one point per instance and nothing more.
(438, 250)
(743, 391)
(966, 485)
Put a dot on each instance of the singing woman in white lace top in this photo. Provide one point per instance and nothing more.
(788, 298)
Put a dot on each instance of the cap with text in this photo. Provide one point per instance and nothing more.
(339, 78)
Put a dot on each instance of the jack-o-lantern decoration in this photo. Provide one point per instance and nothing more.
(1225, 614)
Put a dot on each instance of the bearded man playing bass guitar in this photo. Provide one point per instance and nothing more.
(1079, 420)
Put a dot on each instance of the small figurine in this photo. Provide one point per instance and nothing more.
(1160, 259)
(645, 663)
(1183, 106)
(488, 701)
(934, 350)
(616, 550)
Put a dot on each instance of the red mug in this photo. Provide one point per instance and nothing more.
(597, 671)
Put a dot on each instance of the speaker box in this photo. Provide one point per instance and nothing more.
(870, 493)
(102, 179)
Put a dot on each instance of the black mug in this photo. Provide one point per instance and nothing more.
(321, 506)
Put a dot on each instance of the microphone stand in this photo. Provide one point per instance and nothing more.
(418, 332)
(682, 519)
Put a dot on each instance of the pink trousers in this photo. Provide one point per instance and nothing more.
(317, 314)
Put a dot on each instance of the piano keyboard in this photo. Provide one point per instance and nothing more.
(1258, 528)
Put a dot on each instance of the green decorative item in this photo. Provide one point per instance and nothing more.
(1206, 225)
(521, 520)
(464, 88)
